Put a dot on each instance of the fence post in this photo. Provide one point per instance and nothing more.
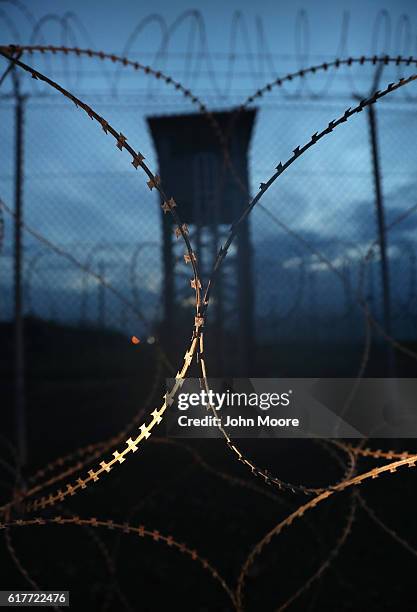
(19, 347)
(379, 204)
(380, 214)
(101, 297)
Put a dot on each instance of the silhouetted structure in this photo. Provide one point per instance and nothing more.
(193, 169)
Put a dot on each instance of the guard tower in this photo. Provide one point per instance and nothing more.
(193, 170)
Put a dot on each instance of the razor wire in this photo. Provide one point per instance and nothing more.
(197, 342)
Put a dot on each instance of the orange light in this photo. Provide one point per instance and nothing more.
(135, 340)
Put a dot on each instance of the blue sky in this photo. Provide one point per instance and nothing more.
(327, 196)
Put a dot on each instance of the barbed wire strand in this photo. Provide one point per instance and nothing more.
(381, 524)
(312, 503)
(298, 151)
(325, 565)
(170, 206)
(281, 167)
(141, 531)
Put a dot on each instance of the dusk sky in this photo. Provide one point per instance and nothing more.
(81, 191)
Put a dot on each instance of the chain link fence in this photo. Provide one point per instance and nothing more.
(309, 234)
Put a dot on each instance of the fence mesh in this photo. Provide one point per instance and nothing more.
(82, 196)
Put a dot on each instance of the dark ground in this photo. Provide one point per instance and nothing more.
(83, 386)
